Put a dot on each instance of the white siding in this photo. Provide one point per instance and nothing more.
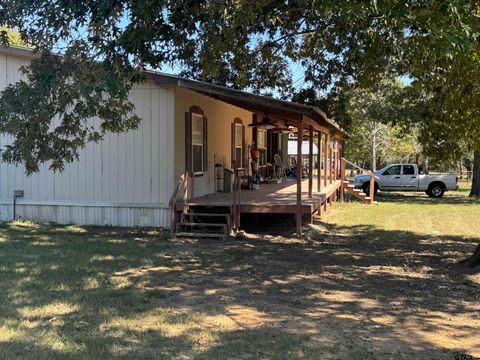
(126, 180)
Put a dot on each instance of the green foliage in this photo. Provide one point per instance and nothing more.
(11, 37)
(451, 101)
(62, 103)
(244, 44)
(380, 123)
(382, 116)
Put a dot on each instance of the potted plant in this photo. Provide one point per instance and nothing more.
(255, 153)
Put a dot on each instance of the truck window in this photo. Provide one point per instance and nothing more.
(408, 170)
(393, 170)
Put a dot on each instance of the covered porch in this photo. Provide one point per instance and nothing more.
(316, 176)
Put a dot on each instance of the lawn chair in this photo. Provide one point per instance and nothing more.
(280, 171)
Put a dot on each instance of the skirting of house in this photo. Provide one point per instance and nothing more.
(64, 212)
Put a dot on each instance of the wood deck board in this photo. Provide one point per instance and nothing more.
(271, 198)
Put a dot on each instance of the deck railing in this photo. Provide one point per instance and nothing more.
(182, 182)
(343, 167)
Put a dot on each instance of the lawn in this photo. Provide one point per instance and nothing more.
(367, 282)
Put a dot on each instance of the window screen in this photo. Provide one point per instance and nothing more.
(238, 145)
(197, 143)
(262, 139)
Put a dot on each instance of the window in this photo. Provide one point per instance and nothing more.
(238, 139)
(197, 143)
(408, 170)
(393, 170)
(262, 145)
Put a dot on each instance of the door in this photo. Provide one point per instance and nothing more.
(409, 180)
(390, 179)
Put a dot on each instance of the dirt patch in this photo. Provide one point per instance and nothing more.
(363, 292)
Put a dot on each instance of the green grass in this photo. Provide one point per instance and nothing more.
(454, 214)
(70, 292)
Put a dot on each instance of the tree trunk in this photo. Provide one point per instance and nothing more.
(425, 165)
(475, 191)
(472, 261)
(374, 150)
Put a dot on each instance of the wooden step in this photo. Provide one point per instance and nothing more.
(200, 235)
(207, 219)
(201, 224)
(360, 195)
(206, 214)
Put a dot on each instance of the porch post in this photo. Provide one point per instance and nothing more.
(330, 162)
(255, 130)
(325, 159)
(310, 163)
(319, 161)
(335, 159)
(342, 179)
(298, 214)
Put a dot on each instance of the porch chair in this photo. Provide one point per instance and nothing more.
(280, 169)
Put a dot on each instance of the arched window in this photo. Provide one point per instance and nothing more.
(196, 154)
(238, 143)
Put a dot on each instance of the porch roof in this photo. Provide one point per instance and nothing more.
(285, 110)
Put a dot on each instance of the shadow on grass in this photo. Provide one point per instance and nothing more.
(80, 293)
(455, 198)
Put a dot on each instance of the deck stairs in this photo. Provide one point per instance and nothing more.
(357, 193)
(204, 222)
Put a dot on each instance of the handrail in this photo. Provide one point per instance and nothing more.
(355, 166)
(372, 177)
(183, 181)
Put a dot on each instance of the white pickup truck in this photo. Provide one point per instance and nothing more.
(405, 177)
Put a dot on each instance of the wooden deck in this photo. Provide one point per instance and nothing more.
(272, 198)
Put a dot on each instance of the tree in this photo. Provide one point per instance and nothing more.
(450, 98)
(373, 114)
(245, 44)
(104, 45)
(12, 37)
(371, 117)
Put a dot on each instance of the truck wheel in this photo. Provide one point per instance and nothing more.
(436, 190)
(366, 188)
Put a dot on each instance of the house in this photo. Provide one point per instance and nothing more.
(158, 173)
